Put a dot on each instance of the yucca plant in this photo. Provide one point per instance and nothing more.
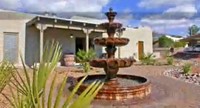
(84, 58)
(148, 59)
(31, 91)
(6, 70)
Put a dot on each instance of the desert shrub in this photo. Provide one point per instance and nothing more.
(84, 58)
(148, 59)
(170, 60)
(187, 68)
(179, 44)
(165, 42)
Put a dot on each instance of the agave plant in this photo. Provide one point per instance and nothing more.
(148, 59)
(5, 73)
(84, 58)
(31, 91)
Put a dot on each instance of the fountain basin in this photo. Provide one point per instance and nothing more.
(120, 63)
(121, 88)
(111, 25)
(111, 41)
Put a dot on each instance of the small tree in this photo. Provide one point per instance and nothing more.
(84, 58)
(165, 42)
(193, 30)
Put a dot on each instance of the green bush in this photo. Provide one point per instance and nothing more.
(148, 59)
(179, 44)
(170, 60)
(84, 58)
(187, 68)
(165, 42)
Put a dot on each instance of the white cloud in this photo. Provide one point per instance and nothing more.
(125, 17)
(161, 3)
(11, 4)
(166, 25)
(54, 5)
(177, 15)
(187, 8)
(173, 23)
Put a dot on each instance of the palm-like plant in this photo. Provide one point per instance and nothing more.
(31, 91)
(84, 58)
(5, 73)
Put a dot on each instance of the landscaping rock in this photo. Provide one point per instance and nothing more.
(178, 74)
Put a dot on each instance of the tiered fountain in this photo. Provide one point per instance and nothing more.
(117, 87)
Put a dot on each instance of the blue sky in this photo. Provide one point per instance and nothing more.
(164, 16)
(155, 13)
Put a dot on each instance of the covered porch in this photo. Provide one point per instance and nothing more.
(71, 34)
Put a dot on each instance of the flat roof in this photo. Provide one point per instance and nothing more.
(63, 21)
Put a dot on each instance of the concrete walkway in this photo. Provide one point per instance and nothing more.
(166, 92)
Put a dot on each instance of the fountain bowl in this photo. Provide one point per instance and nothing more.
(121, 88)
(120, 63)
(111, 25)
(111, 41)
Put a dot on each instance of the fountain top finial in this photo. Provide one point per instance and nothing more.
(111, 15)
(110, 9)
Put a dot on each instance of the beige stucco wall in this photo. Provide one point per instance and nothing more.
(135, 34)
(14, 22)
(13, 26)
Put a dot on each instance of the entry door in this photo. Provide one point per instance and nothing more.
(80, 44)
(140, 49)
(10, 47)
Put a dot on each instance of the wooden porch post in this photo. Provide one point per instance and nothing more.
(41, 27)
(87, 32)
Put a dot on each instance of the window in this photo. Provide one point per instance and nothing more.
(10, 47)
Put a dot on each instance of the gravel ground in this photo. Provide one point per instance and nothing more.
(166, 92)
